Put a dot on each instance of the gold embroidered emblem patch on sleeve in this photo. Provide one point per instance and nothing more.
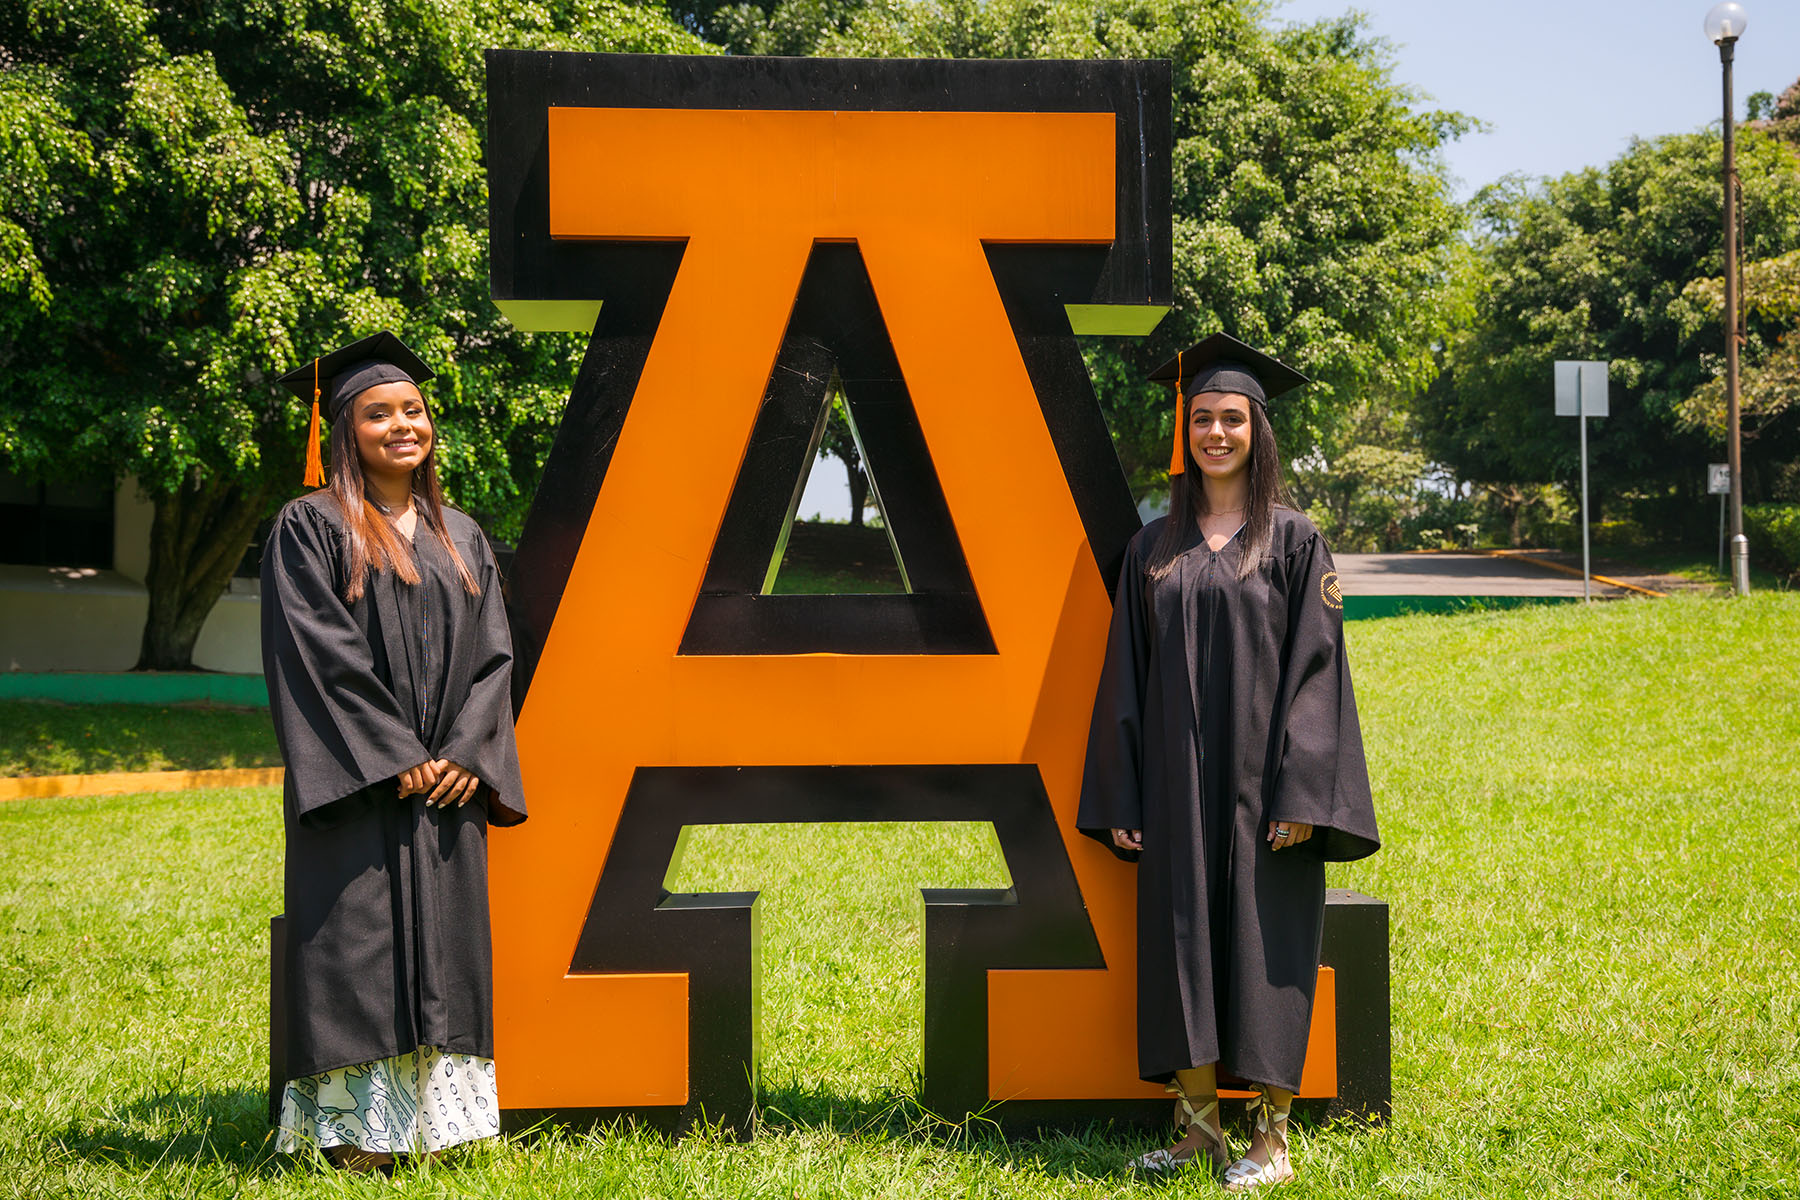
(1329, 591)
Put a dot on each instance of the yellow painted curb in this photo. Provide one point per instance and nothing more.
(32, 786)
(1608, 580)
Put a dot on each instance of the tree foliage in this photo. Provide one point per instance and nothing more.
(1370, 488)
(197, 196)
(840, 443)
(1312, 214)
(1769, 387)
(1598, 265)
(792, 27)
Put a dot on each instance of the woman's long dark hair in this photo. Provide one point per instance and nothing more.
(1187, 499)
(373, 541)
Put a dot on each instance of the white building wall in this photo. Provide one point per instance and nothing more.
(87, 619)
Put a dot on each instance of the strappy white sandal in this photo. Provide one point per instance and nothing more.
(1164, 1162)
(1246, 1173)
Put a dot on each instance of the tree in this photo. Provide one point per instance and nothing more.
(1596, 265)
(1312, 212)
(197, 196)
(839, 443)
(1364, 485)
(1769, 385)
(790, 27)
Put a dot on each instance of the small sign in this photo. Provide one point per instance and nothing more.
(1718, 479)
(1580, 389)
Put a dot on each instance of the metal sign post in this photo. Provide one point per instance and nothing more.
(1581, 392)
(1718, 483)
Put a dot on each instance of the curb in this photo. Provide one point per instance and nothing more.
(1609, 581)
(119, 782)
(136, 687)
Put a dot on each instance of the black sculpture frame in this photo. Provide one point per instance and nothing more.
(634, 924)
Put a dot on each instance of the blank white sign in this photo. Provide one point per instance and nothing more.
(1590, 379)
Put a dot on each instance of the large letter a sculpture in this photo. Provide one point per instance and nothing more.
(736, 233)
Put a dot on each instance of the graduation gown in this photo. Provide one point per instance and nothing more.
(1225, 704)
(388, 946)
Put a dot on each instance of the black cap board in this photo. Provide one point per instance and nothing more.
(1221, 363)
(343, 374)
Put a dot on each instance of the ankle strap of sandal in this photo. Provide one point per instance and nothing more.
(1267, 1116)
(1187, 1102)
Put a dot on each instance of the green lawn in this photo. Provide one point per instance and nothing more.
(44, 738)
(823, 558)
(1591, 818)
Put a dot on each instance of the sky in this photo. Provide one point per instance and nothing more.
(1565, 86)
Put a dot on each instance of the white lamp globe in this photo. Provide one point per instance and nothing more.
(1726, 22)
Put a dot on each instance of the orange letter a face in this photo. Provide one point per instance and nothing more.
(927, 238)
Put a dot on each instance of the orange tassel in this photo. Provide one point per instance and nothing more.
(1178, 460)
(315, 467)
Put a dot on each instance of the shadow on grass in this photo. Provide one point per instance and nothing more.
(1078, 1150)
(226, 1129)
(1087, 1151)
(1090, 1150)
(223, 1133)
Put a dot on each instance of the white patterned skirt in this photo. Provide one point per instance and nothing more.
(409, 1104)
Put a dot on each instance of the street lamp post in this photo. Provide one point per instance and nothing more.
(1725, 24)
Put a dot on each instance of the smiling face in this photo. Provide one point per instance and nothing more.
(393, 430)
(1219, 433)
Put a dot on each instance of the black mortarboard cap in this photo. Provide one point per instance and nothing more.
(1221, 363)
(342, 375)
(378, 358)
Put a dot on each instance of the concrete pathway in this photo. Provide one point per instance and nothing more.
(1516, 575)
(1457, 575)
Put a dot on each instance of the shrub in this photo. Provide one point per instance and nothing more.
(1774, 532)
(1618, 533)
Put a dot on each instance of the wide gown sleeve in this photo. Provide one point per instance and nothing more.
(1112, 776)
(339, 726)
(1323, 779)
(481, 738)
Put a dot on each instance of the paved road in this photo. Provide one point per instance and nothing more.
(1456, 575)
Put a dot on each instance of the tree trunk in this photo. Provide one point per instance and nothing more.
(1512, 506)
(197, 536)
(859, 493)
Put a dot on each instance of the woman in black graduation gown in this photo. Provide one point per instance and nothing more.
(1226, 760)
(388, 662)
